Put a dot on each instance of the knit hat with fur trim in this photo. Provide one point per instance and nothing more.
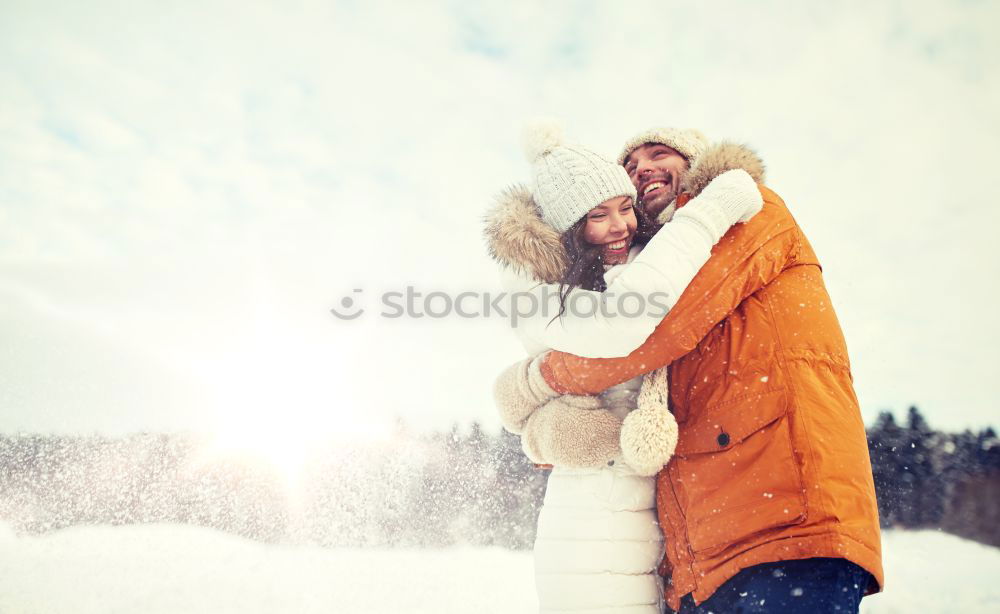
(569, 180)
(688, 142)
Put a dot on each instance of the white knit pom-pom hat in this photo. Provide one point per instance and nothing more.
(569, 179)
(688, 142)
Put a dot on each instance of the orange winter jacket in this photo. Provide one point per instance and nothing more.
(772, 460)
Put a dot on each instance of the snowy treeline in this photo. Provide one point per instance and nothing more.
(417, 489)
(928, 479)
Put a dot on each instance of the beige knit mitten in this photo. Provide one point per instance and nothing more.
(649, 433)
(574, 432)
(519, 391)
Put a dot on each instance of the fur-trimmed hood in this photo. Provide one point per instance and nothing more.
(518, 238)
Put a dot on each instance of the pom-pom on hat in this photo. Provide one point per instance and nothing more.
(688, 142)
(569, 180)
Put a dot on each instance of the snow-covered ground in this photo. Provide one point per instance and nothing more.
(171, 569)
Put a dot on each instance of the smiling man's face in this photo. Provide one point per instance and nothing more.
(655, 171)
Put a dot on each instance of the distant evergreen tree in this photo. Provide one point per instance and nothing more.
(925, 505)
(515, 504)
(885, 441)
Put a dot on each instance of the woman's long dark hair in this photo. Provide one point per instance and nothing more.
(586, 261)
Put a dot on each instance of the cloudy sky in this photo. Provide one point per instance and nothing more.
(187, 188)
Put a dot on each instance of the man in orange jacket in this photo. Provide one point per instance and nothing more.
(768, 504)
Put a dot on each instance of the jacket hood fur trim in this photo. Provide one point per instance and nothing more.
(718, 159)
(517, 237)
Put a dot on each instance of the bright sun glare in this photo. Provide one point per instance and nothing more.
(277, 404)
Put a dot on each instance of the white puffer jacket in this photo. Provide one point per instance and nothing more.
(598, 541)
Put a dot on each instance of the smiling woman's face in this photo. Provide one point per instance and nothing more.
(655, 171)
(612, 224)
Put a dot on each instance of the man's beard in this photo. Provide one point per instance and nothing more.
(656, 206)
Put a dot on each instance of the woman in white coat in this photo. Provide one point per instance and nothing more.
(573, 236)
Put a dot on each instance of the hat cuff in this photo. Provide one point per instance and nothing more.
(689, 143)
(588, 192)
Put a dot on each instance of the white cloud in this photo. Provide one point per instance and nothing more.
(202, 183)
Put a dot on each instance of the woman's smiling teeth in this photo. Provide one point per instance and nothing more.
(616, 245)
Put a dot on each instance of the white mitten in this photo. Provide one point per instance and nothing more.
(574, 432)
(519, 391)
(732, 197)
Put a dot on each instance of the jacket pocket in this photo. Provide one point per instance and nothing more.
(735, 472)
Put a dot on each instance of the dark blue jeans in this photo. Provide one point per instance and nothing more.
(809, 586)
